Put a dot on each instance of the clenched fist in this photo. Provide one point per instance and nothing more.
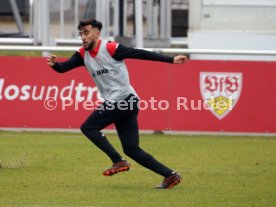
(51, 60)
(180, 59)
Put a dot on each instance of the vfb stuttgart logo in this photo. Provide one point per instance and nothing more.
(221, 91)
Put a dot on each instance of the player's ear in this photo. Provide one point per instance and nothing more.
(98, 33)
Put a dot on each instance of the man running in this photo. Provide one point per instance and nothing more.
(104, 60)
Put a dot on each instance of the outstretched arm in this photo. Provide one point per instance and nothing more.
(123, 52)
(75, 61)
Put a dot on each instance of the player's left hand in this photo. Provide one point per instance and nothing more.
(180, 59)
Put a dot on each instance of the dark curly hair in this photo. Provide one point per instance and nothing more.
(93, 22)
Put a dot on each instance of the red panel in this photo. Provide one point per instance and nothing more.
(254, 111)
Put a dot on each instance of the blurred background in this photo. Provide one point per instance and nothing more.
(197, 24)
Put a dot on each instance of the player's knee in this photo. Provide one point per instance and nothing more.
(89, 130)
(84, 128)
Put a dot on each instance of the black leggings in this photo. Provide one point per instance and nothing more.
(125, 119)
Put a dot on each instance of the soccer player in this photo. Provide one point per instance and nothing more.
(105, 62)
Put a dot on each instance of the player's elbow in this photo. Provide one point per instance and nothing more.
(59, 70)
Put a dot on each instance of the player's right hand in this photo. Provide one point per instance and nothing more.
(51, 60)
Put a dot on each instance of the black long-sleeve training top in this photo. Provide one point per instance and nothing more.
(118, 51)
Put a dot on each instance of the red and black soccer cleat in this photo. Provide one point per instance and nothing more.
(170, 181)
(117, 167)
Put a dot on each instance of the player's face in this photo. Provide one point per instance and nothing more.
(89, 35)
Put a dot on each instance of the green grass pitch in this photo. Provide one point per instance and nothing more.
(65, 169)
